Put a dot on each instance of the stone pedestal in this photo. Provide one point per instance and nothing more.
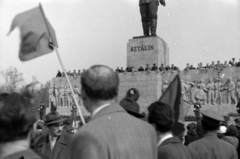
(147, 50)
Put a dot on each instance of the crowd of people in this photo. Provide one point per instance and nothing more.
(148, 68)
(70, 74)
(114, 131)
(217, 66)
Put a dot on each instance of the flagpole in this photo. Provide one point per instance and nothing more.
(74, 98)
(61, 63)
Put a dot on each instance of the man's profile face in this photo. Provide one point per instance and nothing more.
(55, 130)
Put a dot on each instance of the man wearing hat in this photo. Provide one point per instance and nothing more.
(55, 144)
(210, 146)
(111, 133)
(129, 103)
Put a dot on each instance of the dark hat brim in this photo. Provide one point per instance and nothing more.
(135, 114)
(55, 121)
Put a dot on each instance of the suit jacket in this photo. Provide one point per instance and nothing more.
(61, 149)
(172, 148)
(26, 154)
(113, 133)
(210, 147)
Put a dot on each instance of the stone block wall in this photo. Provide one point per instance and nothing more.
(148, 84)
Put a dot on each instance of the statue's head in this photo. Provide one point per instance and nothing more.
(210, 80)
(229, 78)
(202, 80)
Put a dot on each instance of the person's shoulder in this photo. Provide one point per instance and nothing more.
(29, 154)
(196, 143)
(40, 139)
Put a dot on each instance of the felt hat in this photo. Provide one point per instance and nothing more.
(211, 116)
(53, 118)
(131, 107)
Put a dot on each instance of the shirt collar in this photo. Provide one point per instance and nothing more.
(98, 109)
(167, 136)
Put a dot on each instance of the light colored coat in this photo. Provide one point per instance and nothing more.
(114, 134)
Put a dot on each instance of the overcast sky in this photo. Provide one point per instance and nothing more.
(97, 31)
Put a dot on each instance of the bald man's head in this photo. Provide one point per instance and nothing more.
(100, 83)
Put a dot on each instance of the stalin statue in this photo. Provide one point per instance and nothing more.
(148, 11)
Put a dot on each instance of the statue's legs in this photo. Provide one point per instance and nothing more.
(153, 8)
(61, 100)
(234, 98)
(209, 98)
(145, 18)
(220, 98)
(204, 99)
(212, 97)
(229, 98)
(145, 28)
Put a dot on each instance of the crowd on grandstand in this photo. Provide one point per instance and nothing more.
(162, 68)
(217, 66)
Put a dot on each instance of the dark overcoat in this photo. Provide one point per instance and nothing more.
(211, 147)
(172, 148)
(61, 149)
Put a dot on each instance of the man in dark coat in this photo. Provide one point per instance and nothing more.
(161, 116)
(191, 134)
(111, 133)
(56, 144)
(237, 123)
(17, 118)
(210, 146)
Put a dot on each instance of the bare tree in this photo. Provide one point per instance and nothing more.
(13, 79)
